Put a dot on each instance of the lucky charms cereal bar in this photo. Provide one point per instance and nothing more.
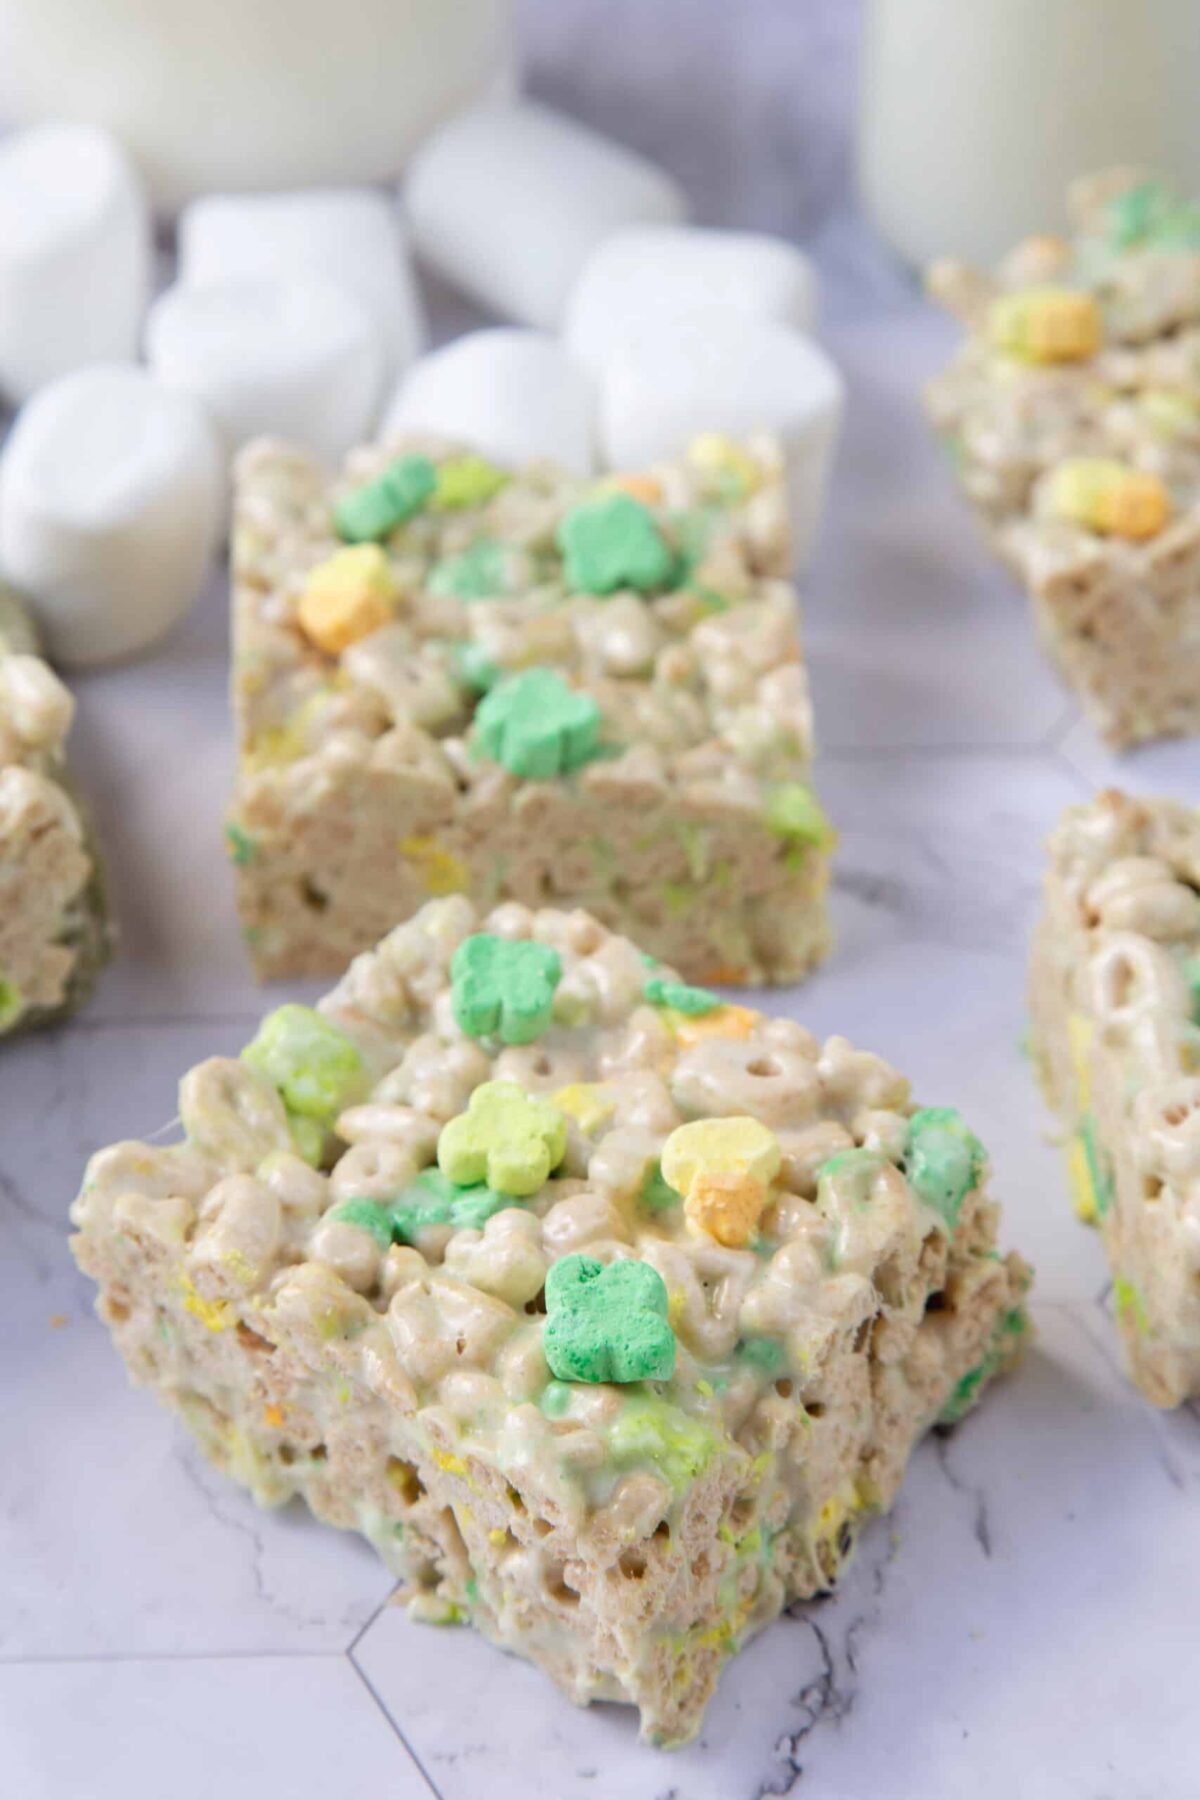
(54, 936)
(1072, 415)
(1115, 998)
(453, 679)
(607, 1311)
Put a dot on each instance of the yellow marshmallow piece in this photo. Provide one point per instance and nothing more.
(736, 1022)
(715, 454)
(723, 1168)
(1046, 325)
(725, 1206)
(350, 595)
(1107, 496)
(589, 1103)
(1079, 1037)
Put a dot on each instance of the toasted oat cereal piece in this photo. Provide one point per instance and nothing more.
(1115, 999)
(54, 935)
(419, 1260)
(538, 687)
(1072, 416)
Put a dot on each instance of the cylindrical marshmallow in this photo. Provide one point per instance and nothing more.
(515, 396)
(653, 273)
(350, 236)
(74, 255)
(297, 359)
(110, 499)
(508, 202)
(716, 371)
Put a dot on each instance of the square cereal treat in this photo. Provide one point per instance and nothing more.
(607, 1311)
(54, 936)
(532, 687)
(1072, 415)
(1115, 1000)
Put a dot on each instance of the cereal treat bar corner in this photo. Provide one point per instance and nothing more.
(1115, 1001)
(606, 1310)
(1072, 416)
(453, 679)
(54, 936)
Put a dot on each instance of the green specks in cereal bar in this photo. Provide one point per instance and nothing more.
(762, 1353)
(1131, 1308)
(503, 989)
(657, 1195)
(11, 1002)
(374, 509)
(508, 1138)
(794, 813)
(614, 542)
(1191, 974)
(650, 1430)
(607, 1323)
(679, 996)
(429, 1200)
(944, 1159)
(1150, 217)
(474, 668)
(538, 726)
(467, 481)
(477, 573)
(241, 845)
(315, 1066)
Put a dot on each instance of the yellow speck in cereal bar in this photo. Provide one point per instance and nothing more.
(1109, 497)
(1046, 325)
(347, 597)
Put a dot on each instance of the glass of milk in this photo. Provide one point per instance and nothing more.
(976, 114)
(251, 93)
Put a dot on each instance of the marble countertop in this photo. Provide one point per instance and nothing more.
(1027, 1617)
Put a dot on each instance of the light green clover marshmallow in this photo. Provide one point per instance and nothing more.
(614, 543)
(504, 989)
(317, 1069)
(607, 1323)
(944, 1160)
(506, 1137)
(464, 481)
(537, 726)
(794, 813)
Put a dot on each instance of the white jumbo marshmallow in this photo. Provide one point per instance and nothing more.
(515, 396)
(347, 235)
(110, 501)
(651, 273)
(509, 201)
(75, 263)
(298, 359)
(714, 370)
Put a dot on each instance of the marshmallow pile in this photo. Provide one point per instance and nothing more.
(298, 315)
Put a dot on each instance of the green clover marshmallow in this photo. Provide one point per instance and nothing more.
(429, 1200)
(477, 573)
(679, 996)
(506, 1137)
(537, 726)
(372, 511)
(614, 543)
(503, 989)
(607, 1324)
(467, 481)
(944, 1160)
(317, 1069)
